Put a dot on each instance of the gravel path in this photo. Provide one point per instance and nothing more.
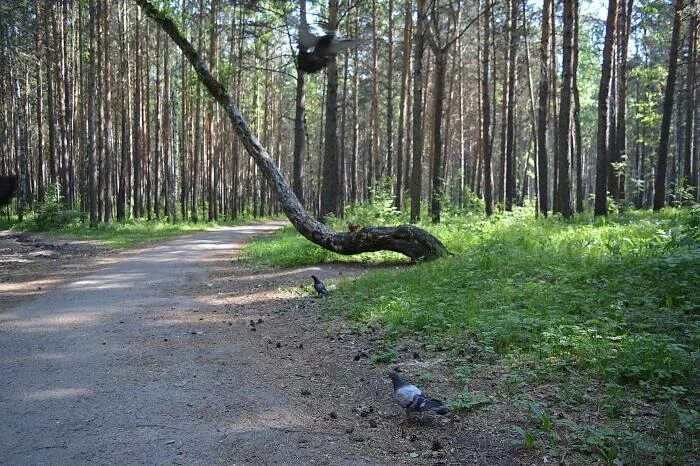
(175, 354)
(106, 369)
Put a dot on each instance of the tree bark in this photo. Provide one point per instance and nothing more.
(514, 38)
(601, 179)
(564, 149)
(107, 163)
(330, 182)
(400, 172)
(689, 168)
(417, 170)
(618, 184)
(486, 112)
(92, 166)
(390, 94)
(437, 189)
(578, 139)
(298, 160)
(405, 239)
(660, 180)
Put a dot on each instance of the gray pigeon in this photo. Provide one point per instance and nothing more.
(413, 400)
(319, 286)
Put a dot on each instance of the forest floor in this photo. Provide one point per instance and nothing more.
(179, 353)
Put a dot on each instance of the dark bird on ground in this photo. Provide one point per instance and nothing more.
(413, 400)
(315, 52)
(319, 286)
(8, 186)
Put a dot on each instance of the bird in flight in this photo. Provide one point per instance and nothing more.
(315, 52)
(413, 400)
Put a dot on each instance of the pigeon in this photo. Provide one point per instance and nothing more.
(316, 51)
(319, 286)
(413, 400)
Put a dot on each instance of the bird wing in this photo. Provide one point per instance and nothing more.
(407, 395)
(340, 45)
(432, 404)
(306, 38)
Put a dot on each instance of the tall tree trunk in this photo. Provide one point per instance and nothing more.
(137, 155)
(601, 179)
(486, 112)
(211, 144)
(107, 123)
(390, 93)
(41, 156)
(437, 182)
(660, 180)
(510, 125)
(564, 149)
(330, 182)
(50, 102)
(405, 69)
(620, 157)
(59, 48)
(20, 138)
(91, 155)
(417, 172)
(689, 167)
(405, 239)
(375, 156)
(355, 120)
(578, 139)
(298, 164)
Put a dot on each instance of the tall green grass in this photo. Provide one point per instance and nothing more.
(616, 297)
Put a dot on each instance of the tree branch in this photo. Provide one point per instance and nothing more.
(409, 240)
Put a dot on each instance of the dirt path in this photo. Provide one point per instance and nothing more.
(179, 355)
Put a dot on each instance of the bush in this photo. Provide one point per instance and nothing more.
(52, 214)
(379, 211)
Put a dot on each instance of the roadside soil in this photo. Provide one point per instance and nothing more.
(179, 353)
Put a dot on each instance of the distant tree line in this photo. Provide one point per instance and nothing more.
(442, 102)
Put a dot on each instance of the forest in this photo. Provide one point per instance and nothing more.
(501, 197)
(560, 107)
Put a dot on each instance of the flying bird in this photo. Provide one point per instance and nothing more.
(319, 286)
(412, 399)
(315, 52)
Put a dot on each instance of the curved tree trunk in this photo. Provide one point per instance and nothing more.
(405, 239)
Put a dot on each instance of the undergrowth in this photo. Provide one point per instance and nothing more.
(614, 301)
(51, 217)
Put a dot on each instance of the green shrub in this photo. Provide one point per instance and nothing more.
(52, 214)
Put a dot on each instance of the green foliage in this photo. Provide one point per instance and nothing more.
(52, 214)
(131, 233)
(469, 401)
(379, 211)
(527, 437)
(613, 300)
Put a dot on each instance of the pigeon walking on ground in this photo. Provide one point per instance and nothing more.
(413, 400)
(319, 286)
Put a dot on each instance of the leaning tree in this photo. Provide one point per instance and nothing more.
(408, 240)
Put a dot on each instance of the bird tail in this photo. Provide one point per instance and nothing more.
(436, 406)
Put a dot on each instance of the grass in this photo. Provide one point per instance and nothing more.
(132, 233)
(118, 235)
(609, 303)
